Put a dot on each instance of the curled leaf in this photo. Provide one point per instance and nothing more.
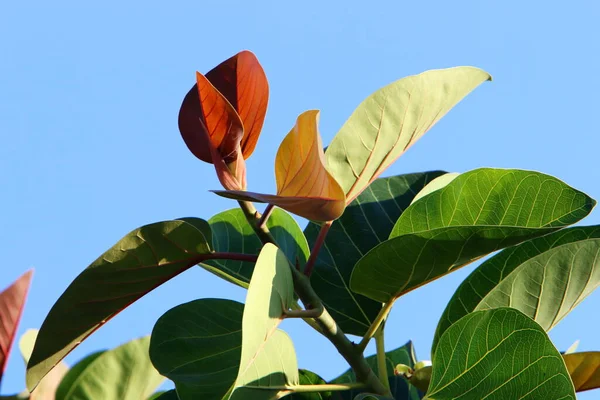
(304, 187)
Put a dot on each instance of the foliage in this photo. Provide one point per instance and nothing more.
(369, 240)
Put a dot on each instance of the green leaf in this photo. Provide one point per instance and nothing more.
(73, 374)
(232, 233)
(198, 346)
(366, 222)
(310, 378)
(544, 278)
(479, 212)
(390, 120)
(368, 396)
(124, 373)
(141, 261)
(498, 354)
(268, 358)
(584, 369)
(168, 395)
(438, 183)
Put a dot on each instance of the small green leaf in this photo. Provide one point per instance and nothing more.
(232, 233)
(198, 346)
(141, 261)
(124, 373)
(390, 120)
(498, 354)
(479, 212)
(544, 278)
(268, 358)
(366, 222)
(584, 369)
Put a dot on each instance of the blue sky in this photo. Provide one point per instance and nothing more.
(90, 147)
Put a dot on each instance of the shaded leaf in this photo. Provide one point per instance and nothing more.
(310, 378)
(368, 396)
(366, 222)
(228, 105)
(584, 369)
(198, 346)
(268, 358)
(479, 212)
(168, 395)
(390, 120)
(123, 373)
(12, 301)
(544, 278)
(304, 187)
(141, 261)
(232, 233)
(498, 354)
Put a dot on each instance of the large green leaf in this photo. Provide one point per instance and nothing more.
(545, 278)
(198, 346)
(124, 373)
(268, 363)
(479, 212)
(390, 120)
(168, 395)
(231, 232)
(144, 259)
(366, 222)
(498, 354)
(74, 373)
(584, 369)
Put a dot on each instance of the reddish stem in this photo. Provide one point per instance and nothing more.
(265, 216)
(233, 256)
(310, 263)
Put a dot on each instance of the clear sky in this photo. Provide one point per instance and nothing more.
(90, 149)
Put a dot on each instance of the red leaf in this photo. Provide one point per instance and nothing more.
(12, 301)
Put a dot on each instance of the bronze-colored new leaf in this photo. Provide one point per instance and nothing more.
(227, 106)
(304, 186)
(12, 301)
(584, 369)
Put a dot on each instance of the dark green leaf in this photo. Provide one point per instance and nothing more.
(498, 354)
(310, 378)
(232, 233)
(366, 222)
(198, 346)
(168, 395)
(545, 278)
(138, 263)
(479, 212)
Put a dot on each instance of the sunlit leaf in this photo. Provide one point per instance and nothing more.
(304, 187)
(436, 184)
(584, 369)
(479, 212)
(123, 373)
(232, 233)
(70, 378)
(498, 354)
(141, 261)
(268, 359)
(12, 301)
(366, 222)
(228, 105)
(572, 348)
(393, 118)
(198, 346)
(544, 278)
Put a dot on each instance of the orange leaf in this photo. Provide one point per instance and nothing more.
(12, 301)
(304, 187)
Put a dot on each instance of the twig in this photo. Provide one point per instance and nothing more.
(314, 253)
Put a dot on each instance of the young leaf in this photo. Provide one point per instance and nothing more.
(304, 187)
(198, 346)
(268, 358)
(12, 301)
(141, 261)
(584, 369)
(124, 373)
(479, 212)
(544, 278)
(366, 222)
(498, 354)
(232, 233)
(229, 106)
(390, 120)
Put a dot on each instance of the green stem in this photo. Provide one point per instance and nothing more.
(379, 319)
(314, 253)
(381, 358)
(325, 387)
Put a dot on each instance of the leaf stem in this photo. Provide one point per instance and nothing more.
(379, 319)
(265, 216)
(314, 253)
(328, 387)
(381, 358)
